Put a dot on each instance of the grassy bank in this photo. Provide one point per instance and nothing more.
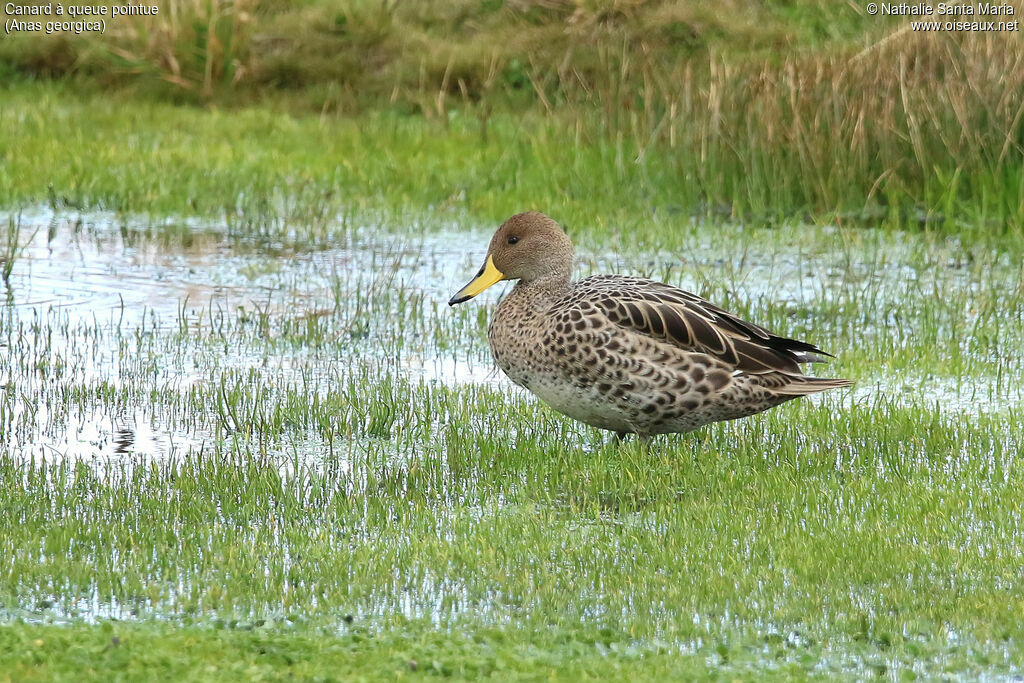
(355, 53)
(744, 111)
(131, 156)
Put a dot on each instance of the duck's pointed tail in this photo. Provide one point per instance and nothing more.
(799, 385)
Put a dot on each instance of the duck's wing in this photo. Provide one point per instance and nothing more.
(695, 324)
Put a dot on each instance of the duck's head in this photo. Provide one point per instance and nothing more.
(528, 246)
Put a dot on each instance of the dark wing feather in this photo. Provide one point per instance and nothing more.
(690, 322)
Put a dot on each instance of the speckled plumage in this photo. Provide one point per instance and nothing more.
(628, 354)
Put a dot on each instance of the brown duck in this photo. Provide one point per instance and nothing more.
(624, 353)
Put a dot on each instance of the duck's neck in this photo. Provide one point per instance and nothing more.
(548, 286)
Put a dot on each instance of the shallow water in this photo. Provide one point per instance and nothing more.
(121, 300)
(99, 284)
(101, 267)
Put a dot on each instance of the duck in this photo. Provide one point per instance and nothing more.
(627, 354)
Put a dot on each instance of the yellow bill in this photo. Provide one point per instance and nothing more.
(487, 276)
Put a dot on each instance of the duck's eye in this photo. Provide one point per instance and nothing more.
(513, 239)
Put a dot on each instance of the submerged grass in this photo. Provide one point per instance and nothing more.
(808, 538)
(808, 553)
(10, 248)
(322, 506)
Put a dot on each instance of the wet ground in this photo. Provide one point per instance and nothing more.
(127, 342)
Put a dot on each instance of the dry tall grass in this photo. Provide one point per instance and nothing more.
(745, 100)
(196, 45)
(930, 116)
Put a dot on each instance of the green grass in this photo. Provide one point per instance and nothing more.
(813, 537)
(308, 176)
(802, 110)
(404, 649)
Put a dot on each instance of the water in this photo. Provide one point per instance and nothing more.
(107, 268)
(99, 301)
